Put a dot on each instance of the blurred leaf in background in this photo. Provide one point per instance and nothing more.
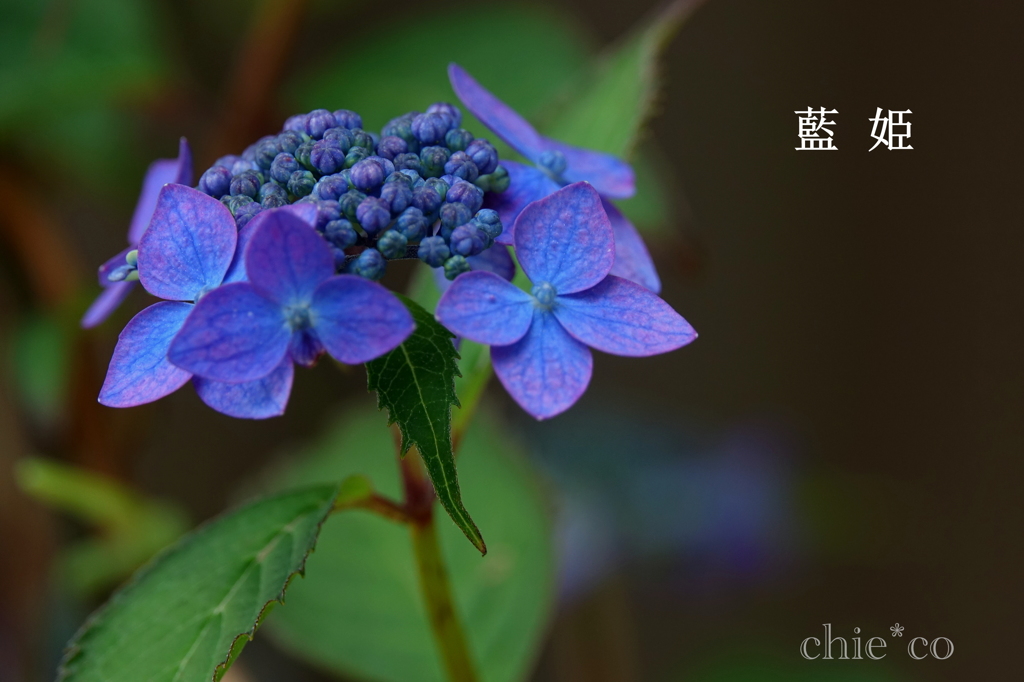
(40, 362)
(358, 611)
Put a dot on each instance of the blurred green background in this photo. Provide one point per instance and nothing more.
(842, 444)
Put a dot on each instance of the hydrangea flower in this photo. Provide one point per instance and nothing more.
(160, 173)
(191, 247)
(557, 164)
(540, 341)
(292, 308)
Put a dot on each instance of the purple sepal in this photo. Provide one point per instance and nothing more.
(188, 246)
(483, 307)
(106, 303)
(139, 371)
(497, 260)
(526, 185)
(260, 399)
(566, 239)
(234, 334)
(287, 259)
(611, 177)
(160, 173)
(358, 320)
(304, 347)
(305, 211)
(623, 318)
(547, 370)
(632, 260)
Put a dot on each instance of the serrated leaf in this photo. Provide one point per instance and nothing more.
(187, 615)
(609, 111)
(416, 383)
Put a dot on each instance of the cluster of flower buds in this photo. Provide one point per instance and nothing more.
(416, 189)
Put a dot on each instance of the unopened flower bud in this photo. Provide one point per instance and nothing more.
(458, 139)
(373, 214)
(434, 252)
(392, 244)
(318, 121)
(216, 182)
(433, 160)
(484, 155)
(369, 264)
(341, 234)
(455, 266)
(301, 183)
(344, 118)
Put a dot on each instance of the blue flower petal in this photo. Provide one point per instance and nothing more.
(497, 260)
(160, 173)
(139, 371)
(287, 259)
(106, 303)
(611, 177)
(566, 239)
(358, 320)
(235, 334)
(306, 211)
(547, 370)
(526, 185)
(483, 307)
(632, 260)
(260, 399)
(623, 318)
(188, 246)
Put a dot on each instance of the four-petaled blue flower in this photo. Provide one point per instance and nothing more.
(160, 173)
(539, 341)
(557, 165)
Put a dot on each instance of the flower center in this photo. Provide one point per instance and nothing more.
(298, 317)
(545, 294)
(553, 162)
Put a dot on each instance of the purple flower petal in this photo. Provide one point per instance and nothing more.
(495, 114)
(611, 177)
(139, 371)
(260, 399)
(526, 185)
(483, 307)
(188, 246)
(495, 259)
(160, 173)
(235, 334)
(306, 211)
(566, 239)
(106, 303)
(632, 260)
(547, 370)
(287, 259)
(358, 320)
(623, 318)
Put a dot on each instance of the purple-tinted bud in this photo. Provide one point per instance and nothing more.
(301, 183)
(498, 181)
(484, 155)
(453, 215)
(413, 176)
(449, 112)
(326, 157)
(216, 182)
(272, 195)
(392, 244)
(391, 146)
(434, 252)
(373, 214)
(369, 264)
(455, 266)
(430, 128)
(283, 167)
(227, 161)
(361, 138)
(341, 234)
(402, 127)
(461, 166)
(246, 213)
(289, 140)
(426, 199)
(331, 187)
(399, 176)
(318, 122)
(266, 152)
(302, 154)
(412, 224)
(489, 222)
(433, 160)
(326, 211)
(349, 202)
(355, 155)
(398, 195)
(235, 202)
(344, 118)
(386, 164)
(341, 136)
(367, 175)
(439, 186)
(408, 161)
(466, 240)
(458, 139)
(466, 193)
(242, 165)
(248, 183)
(296, 123)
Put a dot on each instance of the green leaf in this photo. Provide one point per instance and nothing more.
(359, 612)
(610, 109)
(416, 383)
(187, 615)
(40, 363)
